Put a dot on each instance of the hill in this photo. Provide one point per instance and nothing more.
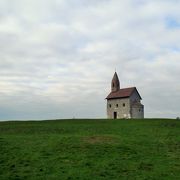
(90, 149)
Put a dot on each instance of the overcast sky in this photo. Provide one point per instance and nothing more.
(57, 57)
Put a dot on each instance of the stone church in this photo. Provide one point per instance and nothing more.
(123, 103)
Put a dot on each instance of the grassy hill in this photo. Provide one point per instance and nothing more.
(90, 149)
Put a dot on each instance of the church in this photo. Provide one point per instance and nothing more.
(124, 103)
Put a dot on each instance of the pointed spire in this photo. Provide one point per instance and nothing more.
(115, 84)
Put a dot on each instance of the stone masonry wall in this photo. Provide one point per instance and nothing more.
(117, 105)
(136, 111)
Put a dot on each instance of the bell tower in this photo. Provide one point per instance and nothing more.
(115, 84)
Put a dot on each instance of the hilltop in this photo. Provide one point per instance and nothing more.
(90, 149)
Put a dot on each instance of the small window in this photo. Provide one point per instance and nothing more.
(124, 105)
(110, 105)
(113, 84)
(116, 105)
(139, 110)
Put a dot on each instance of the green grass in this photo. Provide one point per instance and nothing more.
(90, 149)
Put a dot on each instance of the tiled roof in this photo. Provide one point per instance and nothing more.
(122, 93)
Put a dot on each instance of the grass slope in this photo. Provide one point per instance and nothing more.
(90, 149)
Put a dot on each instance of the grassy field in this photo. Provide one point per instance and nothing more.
(90, 149)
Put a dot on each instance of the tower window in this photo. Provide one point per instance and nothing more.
(124, 104)
(110, 105)
(116, 105)
(113, 84)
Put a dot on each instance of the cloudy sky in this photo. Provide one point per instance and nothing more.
(57, 57)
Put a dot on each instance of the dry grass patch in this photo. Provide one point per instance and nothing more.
(100, 139)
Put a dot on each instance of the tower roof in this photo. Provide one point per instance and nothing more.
(115, 85)
(115, 78)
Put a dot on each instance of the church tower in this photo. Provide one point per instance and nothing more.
(115, 85)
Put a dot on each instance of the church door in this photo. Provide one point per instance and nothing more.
(115, 115)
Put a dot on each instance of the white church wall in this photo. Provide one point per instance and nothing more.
(121, 106)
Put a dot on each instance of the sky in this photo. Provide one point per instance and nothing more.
(57, 57)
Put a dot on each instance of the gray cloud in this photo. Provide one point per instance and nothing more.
(57, 58)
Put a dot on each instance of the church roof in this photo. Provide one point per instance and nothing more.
(122, 93)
